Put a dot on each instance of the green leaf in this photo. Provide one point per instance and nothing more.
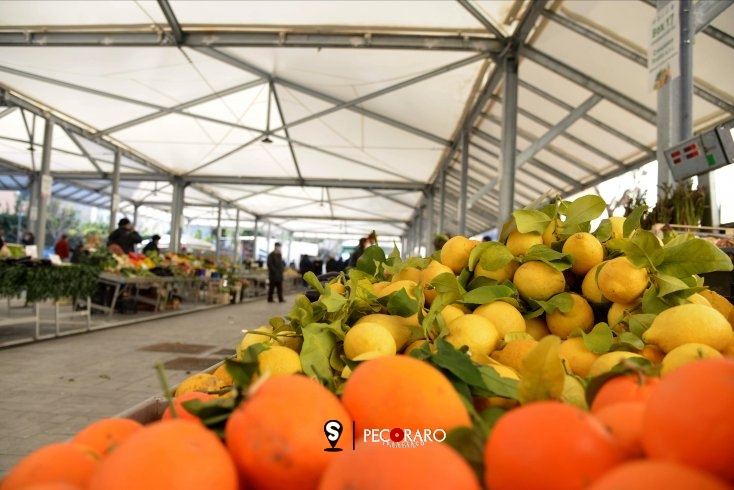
(457, 363)
(583, 210)
(561, 301)
(370, 258)
(651, 303)
(470, 445)
(600, 339)
(667, 284)
(629, 339)
(604, 231)
(446, 283)
(640, 322)
(559, 260)
(632, 222)
(643, 249)
(486, 294)
(494, 256)
(318, 343)
(497, 385)
(313, 281)
(541, 374)
(401, 304)
(528, 220)
(332, 300)
(694, 256)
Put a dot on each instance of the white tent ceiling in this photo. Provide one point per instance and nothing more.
(362, 102)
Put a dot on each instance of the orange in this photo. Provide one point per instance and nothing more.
(689, 417)
(277, 436)
(105, 434)
(53, 486)
(645, 474)
(376, 467)
(172, 454)
(402, 392)
(626, 388)
(181, 412)
(624, 422)
(54, 463)
(548, 445)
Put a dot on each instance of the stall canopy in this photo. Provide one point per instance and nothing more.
(327, 118)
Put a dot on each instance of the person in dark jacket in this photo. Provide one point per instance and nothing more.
(125, 236)
(357, 253)
(275, 273)
(152, 245)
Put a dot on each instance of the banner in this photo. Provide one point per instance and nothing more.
(663, 55)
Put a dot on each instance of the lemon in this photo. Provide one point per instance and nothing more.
(585, 251)
(505, 273)
(536, 327)
(617, 226)
(685, 354)
(590, 289)
(346, 372)
(279, 361)
(221, 373)
(577, 356)
(455, 252)
(408, 273)
(503, 370)
(474, 331)
(368, 340)
(394, 324)
(687, 323)
(618, 315)
(519, 243)
(699, 300)
(453, 311)
(653, 353)
(417, 344)
(718, 302)
(505, 317)
(203, 382)
(620, 281)
(552, 232)
(538, 280)
(393, 287)
(338, 288)
(607, 361)
(514, 352)
(728, 350)
(433, 269)
(288, 338)
(580, 316)
(574, 393)
(251, 338)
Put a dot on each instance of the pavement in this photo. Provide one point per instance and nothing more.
(52, 389)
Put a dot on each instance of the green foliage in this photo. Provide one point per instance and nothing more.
(42, 282)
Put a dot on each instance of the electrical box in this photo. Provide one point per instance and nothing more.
(703, 153)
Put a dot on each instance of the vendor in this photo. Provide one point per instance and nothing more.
(152, 245)
(124, 237)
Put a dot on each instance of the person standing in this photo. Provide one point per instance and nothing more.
(357, 253)
(125, 237)
(152, 245)
(275, 273)
(28, 238)
(62, 248)
(2, 238)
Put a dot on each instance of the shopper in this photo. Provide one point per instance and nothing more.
(2, 238)
(124, 237)
(28, 238)
(152, 245)
(357, 253)
(275, 273)
(62, 248)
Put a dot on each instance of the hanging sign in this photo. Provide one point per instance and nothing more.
(46, 183)
(663, 55)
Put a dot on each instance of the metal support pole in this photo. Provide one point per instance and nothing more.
(442, 202)
(44, 189)
(176, 214)
(236, 238)
(430, 219)
(270, 227)
(136, 208)
(34, 189)
(461, 207)
(115, 196)
(218, 242)
(509, 141)
(254, 240)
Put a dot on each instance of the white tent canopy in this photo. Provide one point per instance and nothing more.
(337, 118)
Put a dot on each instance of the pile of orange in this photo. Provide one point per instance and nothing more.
(674, 433)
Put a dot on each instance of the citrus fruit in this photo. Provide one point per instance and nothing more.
(717, 301)
(625, 388)
(577, 356)
(686, 353)
(619, 313)
(433, 269)
(279, 361)
(375, 467)
(620, 281)
(474, 331)
(514, 352)
(402, 392)
(455, 252)
(504, 273)
(253, 337)
(53, 463)
(409, 273)
(536, 327)
(181, 412)
(548, 445)
(590, 289)
(453, 311)
(394, 324)
(538, 280)
(552, 232)
(393, 287)
(174, 454)
(203, 382)
(105, 434)
(688, 418)
(580, 316)
(585, 250)
(646, 474)
(505, 317)
(519, 243)
(624, 422)
(277, 436)
(687, 323)
(607, 361)
(368, 340)
(617, 223)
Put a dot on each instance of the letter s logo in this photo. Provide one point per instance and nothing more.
(333, 431)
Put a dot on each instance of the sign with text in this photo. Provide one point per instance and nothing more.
(663, 55)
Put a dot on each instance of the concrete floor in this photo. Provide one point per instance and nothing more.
(52, 389)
